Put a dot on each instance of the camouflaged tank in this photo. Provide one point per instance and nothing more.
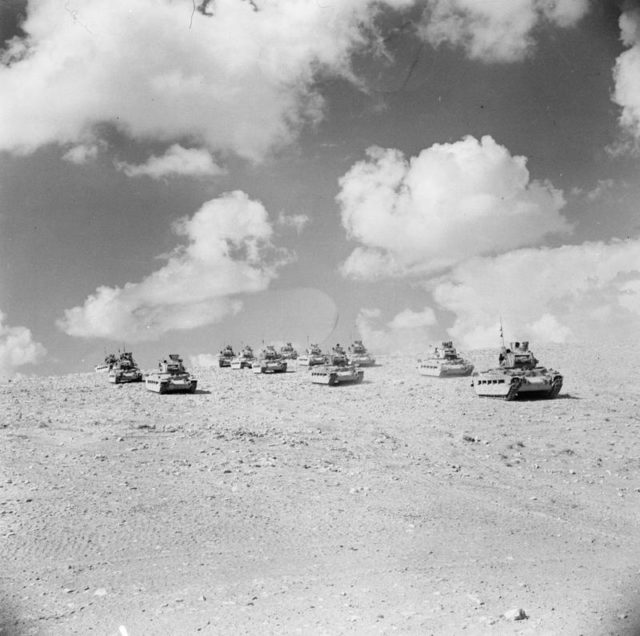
(171, 377)
(312, 356)
(225, 356)
(337, 370)
(359, 355)
(244, 359)
(125, 369)
(518, 375)
(269, 361)
(444, 362)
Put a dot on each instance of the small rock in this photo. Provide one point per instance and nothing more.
(100, 592)
(516, 615)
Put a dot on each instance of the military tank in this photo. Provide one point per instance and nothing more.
(269, 361)
(359, 355)
(518, 375)
(312, 356)
(288, 352)
(125, 369)
(225, 356)
(171, 377)
(244, 359)
(109, 360)
(444, 362)
(337, 369)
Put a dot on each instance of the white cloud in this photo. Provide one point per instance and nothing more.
(240, 80)
(451, 202)
(178, 161)
(575, 292)
(627, 80)
(408, 331)
(17, 348)
(603, 187)
(409, 319)
(496, 31)
(228, 253)
(82, 153)
(295, 221)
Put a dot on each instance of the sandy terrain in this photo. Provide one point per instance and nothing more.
(268, 505)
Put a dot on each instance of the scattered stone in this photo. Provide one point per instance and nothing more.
(516, 615)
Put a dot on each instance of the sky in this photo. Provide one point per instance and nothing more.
(177, 175)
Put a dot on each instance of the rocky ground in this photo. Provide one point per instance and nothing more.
(268, 505)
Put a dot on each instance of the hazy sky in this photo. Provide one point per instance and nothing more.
(320, 170)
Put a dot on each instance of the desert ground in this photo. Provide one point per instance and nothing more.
(270, 505)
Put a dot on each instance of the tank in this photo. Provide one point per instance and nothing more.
(312, 356)
(337, 370)
(244, 359)
(109, 360)
(359, 355)
(171, 377)
(225, 356)
(518, 375)
(125, 369)
(444, 362)
(269, 361)
(288, 352)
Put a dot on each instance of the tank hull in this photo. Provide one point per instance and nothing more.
(270, 367)
(363, 360)
(333, 376)
(121, 377)
(310, 360)
(509, 386)
(241, 363)
(439, 369)
(159, 383)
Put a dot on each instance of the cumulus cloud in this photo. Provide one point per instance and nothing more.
(228, 253)
(17, 348)
(295, 221)
(497, 31)
(451, 202)
(82, 153)
(177, 161)
(574, 292)
(627, 79)
(240, 80)
(408, 331)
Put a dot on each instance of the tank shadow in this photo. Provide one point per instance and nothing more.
(201, 392)
(528, 397)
